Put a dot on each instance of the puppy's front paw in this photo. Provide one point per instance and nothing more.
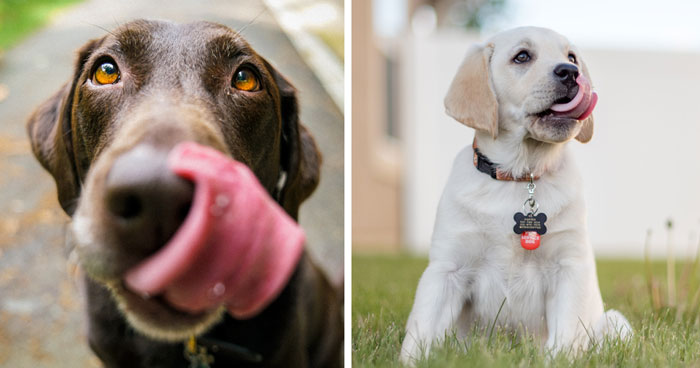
(551, 346)
(571, 344)
(408, 357)
(412, 351)
(613, 324)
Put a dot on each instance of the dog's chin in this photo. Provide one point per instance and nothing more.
(549, 128)
(155, 318)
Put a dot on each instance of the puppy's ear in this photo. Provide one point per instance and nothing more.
(50, 134)
(586, 132)
(471, 99)
(299, 155)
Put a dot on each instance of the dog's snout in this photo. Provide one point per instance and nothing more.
(566, 74)
(147, 203)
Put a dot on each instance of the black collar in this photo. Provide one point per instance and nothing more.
(207, 349)
(483, 164)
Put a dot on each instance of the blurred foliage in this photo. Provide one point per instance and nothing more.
(486, 10)
(473, 14)
(20, 17)
(334, 40)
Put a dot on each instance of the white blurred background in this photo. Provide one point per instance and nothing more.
(641, 170)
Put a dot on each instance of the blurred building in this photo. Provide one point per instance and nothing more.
(641, 168)
(379, 29)
(375, 152)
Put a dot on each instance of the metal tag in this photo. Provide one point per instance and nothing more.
(530, 222)
(197, 355)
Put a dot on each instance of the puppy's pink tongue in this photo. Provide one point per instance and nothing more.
(237, 247)
(581, 106)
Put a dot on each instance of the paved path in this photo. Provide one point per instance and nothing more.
(41, 322)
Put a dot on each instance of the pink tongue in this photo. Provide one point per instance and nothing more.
(237, 247)
(581, 106)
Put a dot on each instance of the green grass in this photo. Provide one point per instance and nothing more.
(18, 18)
(665, 334)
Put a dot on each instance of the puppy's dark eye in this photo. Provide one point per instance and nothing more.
(522, 57)
(572, 58)
(106, 73)
(244, 79)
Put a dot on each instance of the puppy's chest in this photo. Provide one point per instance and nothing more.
(519, 280)
(505, 270)
(493, 213)
(506, 273)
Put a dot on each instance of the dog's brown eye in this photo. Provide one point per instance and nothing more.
(572, 58)
(106, 73)
(245, 80)
(522, 57)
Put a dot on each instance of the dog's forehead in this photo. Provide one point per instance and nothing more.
(170, 41)
(529, 37)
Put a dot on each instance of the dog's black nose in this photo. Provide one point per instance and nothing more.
(566, 74)
(146, 201)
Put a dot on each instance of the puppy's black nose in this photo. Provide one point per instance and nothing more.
(145, 201)
(566, 74)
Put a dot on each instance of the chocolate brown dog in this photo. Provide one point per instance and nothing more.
(105, 136)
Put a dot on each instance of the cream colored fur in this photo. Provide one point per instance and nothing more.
(476, 261)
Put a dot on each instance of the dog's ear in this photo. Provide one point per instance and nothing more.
(586, 132)
(471, 99)
(50, 134)
(300, 158)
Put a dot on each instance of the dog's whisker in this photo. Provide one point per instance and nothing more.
(252, 21)
(100, 27)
